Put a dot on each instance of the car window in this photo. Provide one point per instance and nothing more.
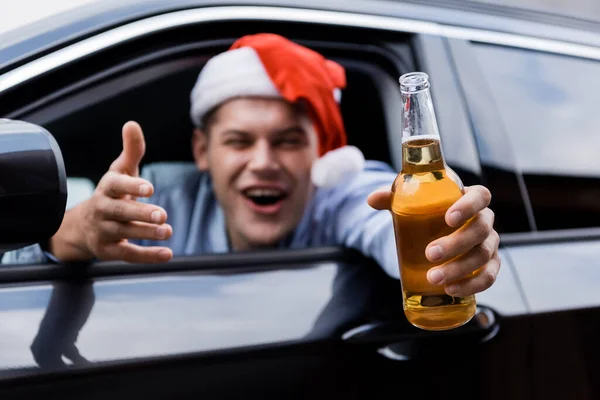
(548, 106)
(157, 97)
(86, 119)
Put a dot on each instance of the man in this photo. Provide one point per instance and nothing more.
(265, 112)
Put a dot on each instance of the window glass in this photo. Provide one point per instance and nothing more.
(549, 107)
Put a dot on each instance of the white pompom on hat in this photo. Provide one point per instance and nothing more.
(336, 166)
(268, 65)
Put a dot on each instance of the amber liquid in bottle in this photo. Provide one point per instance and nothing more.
(423, 191)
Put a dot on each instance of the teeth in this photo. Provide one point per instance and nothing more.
(263, 193)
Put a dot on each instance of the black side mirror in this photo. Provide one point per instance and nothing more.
(33, 185)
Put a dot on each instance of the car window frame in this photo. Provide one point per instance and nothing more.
(373, 62)
(382, 80)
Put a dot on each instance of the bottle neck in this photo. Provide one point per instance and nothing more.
(418, 116)
(421, 144)
(422, 155)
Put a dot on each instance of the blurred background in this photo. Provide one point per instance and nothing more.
(589, 9)
(14, 13)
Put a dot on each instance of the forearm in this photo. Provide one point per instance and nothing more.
(360, 226)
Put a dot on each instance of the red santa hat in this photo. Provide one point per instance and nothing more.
(268, 65)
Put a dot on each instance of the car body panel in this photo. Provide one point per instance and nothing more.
(125, 317)
(143, 317)
(107, 320)
(559, 276)
(506, 296)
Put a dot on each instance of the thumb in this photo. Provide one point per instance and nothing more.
(380, 199)
(134, 148)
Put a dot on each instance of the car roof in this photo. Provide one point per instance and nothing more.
(21, 44)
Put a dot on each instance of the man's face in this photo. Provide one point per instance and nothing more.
(259, 153)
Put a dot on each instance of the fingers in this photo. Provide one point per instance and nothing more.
(475, 199)
(128, 211)
(117, 185)
(116, 221)
(463, 266)
(463, 239)
(480, 282)
(111, 231)
(472, 202)
(131, 253)
(380, 199)
(134, 147)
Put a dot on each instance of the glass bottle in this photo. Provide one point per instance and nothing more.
(422, 193)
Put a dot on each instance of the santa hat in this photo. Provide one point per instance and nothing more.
(268, 65)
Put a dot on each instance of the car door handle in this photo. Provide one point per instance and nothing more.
(398, 340)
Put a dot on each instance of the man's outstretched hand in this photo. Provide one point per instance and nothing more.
(101, 226)
(476, 240)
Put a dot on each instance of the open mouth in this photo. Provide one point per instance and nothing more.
(265, 200)
(265, 197)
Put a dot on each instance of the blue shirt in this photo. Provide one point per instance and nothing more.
(337, 216)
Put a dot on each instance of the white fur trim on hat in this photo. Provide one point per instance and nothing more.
(234, 73)
(336, 166)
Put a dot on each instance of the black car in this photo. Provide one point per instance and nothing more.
(516, 96)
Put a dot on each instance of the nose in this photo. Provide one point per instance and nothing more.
(263, 158)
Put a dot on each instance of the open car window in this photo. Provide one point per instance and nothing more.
(158, 98)
(86, 112)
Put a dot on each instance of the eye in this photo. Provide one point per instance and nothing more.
(292, 141)
(237, 142)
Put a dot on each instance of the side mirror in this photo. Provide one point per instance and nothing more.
(33, 185)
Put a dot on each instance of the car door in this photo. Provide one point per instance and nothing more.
(543, 131)
(316, 323)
